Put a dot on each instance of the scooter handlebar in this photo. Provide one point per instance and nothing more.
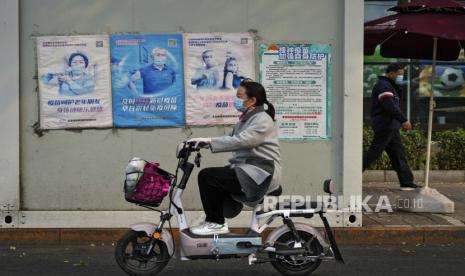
(187, 147)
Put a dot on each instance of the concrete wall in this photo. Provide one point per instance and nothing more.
(83, 169)
(74, 178)
(9, 106)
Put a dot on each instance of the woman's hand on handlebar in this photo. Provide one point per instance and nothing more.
(200, 142)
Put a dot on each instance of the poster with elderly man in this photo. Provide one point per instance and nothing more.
(215, 64)
(74, 81)
(147, 80)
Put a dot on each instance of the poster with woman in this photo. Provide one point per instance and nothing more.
(215, 64)
(148, 81)
(74, 81)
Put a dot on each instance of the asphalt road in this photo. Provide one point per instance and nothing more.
(98, 259)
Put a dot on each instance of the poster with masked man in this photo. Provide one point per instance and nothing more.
(147, 77)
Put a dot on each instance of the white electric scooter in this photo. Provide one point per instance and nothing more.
(292, 248)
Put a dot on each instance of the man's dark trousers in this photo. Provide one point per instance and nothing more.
(389, 140)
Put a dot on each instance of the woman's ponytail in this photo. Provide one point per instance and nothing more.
(270, 110)
(255, 89)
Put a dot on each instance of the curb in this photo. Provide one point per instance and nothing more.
(400, 235)
(376, 235)
(435, 176)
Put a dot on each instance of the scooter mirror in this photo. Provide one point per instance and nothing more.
(329, 186)
(180, 149)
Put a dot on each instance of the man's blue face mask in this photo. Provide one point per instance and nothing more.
(399, 79)
(239, 104)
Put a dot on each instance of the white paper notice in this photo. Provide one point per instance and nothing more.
(297, 80)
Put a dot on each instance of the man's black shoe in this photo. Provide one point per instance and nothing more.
(408, 187)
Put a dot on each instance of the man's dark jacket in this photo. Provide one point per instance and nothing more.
(385, 106)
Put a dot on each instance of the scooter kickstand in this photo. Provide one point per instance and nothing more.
(252, 258)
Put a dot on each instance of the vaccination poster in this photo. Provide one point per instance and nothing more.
(215, 64)
(147, 80)
(74, 81)
(297, 80)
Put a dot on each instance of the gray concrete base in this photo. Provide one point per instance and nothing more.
(436, 176)
(426, 200)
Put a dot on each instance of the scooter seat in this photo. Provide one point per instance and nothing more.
(276, 192)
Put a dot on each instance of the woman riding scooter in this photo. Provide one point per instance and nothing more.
(254, 168)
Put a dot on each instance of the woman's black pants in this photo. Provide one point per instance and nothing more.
(215, 184)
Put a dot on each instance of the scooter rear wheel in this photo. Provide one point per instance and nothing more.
(130, 256)
(297, 265)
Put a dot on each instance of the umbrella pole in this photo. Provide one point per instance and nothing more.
(430, 116)
(431, 200)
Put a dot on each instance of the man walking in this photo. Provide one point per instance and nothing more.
(386, 119)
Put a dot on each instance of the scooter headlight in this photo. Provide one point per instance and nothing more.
(329, 186)
(179, 149)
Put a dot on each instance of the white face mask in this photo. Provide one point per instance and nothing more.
(399, 79)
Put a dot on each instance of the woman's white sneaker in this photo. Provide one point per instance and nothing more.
(210, 228)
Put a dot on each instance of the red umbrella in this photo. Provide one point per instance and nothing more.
(429, 5)
(410, 33)
(424, 29)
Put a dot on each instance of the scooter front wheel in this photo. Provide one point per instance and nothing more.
(297, 265)
(131, 254)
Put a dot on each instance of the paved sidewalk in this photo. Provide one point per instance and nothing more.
(454, 191)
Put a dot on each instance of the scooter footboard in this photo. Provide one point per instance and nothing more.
(213, 246)
(149, 229)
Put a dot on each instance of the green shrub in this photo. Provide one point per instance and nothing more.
(415, 148)
(451, 152)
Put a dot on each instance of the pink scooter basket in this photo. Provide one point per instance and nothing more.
(152, 187)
